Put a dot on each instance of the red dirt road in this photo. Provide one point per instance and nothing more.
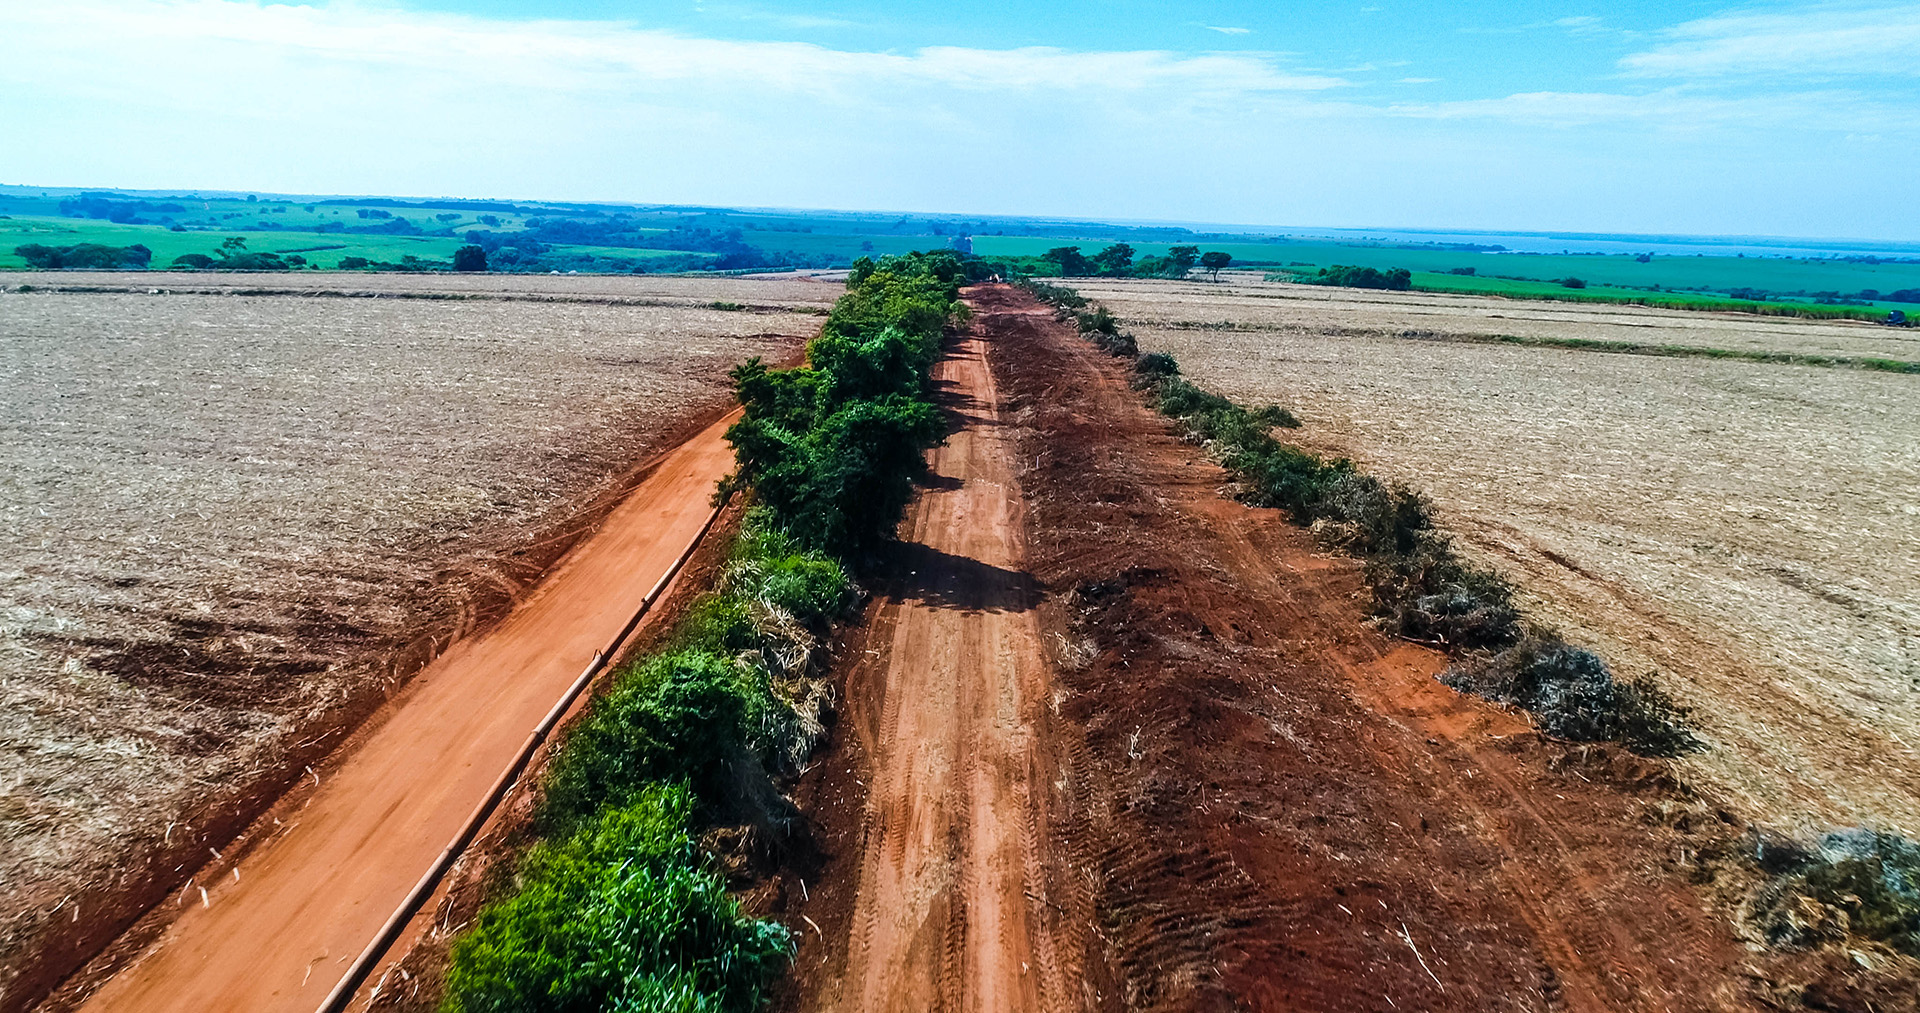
(950, 910)
(1216, 787)
(308, 898)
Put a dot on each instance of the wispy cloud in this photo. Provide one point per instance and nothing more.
(1226, 30)
(1822, 40)
(1680, 110)
(1417, 80)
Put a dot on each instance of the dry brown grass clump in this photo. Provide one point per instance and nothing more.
(227, 520)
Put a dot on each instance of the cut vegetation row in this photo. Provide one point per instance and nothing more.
(617, 907)
(1853, 891)
(1600, 345)
(1422, 588)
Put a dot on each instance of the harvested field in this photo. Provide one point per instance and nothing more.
(1748, 531)
(1243, 303)
(790, 291)
(232, 523)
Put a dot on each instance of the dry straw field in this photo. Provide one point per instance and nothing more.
(1749, 531)
(227, 522)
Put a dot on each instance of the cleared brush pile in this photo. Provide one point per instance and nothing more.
(617, 907)
(1855, 887)
(1423, 589)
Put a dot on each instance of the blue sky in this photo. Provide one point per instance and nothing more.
(1699, 117)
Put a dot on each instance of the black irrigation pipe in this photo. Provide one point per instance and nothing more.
(343, 993)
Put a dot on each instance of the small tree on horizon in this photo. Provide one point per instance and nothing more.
(1213, 261)
(470, 259)
(1182, 259)
(1115, 260)
(1072, 263)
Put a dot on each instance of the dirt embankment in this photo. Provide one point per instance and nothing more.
(1239, 796)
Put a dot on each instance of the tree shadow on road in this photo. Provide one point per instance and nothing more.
(923, 574)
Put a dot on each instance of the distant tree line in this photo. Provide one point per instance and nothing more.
(233, 256)
(1117, 261)
(85, 255)
(120, 212)
(1396, 279)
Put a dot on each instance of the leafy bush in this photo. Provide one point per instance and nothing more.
(623, 914)
(1574, 695)
(831, 449)
(1397, 279)
(1154, 366)
(676, 717)
(91, 256)
(1057, 296)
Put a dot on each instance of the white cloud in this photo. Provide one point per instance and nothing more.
(358, 98)
(564, 55)
(1822, 40)
(1227, 30)
(1418, 80)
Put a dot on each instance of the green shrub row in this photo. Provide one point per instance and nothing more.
(616, 908)
(831, 448)
(1423, 589)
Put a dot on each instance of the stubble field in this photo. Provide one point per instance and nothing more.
(228, 523)
(1749, 531)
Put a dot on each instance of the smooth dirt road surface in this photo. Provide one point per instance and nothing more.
(279, 934)
(950, 912)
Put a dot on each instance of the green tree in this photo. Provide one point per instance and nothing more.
(1071, 262)
(1115, 260)
(232, 245)
(1213, 261)
(1181, 260)
(470, 258)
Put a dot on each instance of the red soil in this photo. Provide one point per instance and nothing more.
(1236, 794)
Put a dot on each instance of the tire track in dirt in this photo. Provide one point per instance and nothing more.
(277, 934)
(952, 909)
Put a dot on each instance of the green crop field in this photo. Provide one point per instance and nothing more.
(1432, 266)
(622, 238)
